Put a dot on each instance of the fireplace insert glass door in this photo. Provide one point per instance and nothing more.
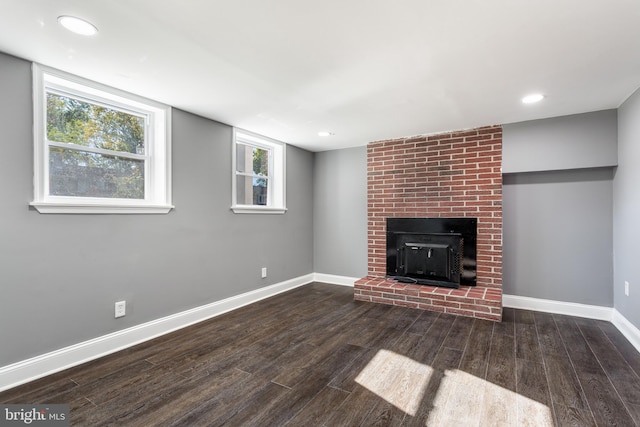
(432, 251)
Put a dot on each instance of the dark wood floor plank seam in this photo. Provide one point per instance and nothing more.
(281, 385)
(615, 349)
(624, 347)
(475, 358)
(501, 369)
(627, 397)
(573, 367)
(459, 333)
(436, 334)
(604, 401)
(319, 409)
(554, 410)
(486, 371)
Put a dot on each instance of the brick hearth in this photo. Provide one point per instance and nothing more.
(472, 301)
(456, 174)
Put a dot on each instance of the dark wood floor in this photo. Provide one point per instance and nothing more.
(313, 356)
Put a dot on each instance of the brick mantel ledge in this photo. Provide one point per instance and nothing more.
(471, 301)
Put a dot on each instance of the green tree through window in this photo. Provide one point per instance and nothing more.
(76, 172)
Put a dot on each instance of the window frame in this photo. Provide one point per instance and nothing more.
(276, 190)
(157, 155)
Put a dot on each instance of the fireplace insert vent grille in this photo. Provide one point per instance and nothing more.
(459, 264)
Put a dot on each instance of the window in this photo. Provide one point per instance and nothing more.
(97, 149)
(258, 184)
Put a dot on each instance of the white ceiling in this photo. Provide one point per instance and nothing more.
(363, 69)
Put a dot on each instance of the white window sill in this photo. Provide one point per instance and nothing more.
(77, 208)
(257, 210)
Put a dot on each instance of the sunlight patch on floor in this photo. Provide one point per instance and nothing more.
(464, 399)
(450, 398)
(397, 379)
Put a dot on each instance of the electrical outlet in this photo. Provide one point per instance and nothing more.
(264, 272)
(121, 308)
(626, 288)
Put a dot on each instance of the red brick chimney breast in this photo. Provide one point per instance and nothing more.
(455, 175)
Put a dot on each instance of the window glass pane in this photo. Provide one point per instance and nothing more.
(243, 154)
(82, 123)
(253, 160)
(81, 174)
(260, 161)
(251, 190)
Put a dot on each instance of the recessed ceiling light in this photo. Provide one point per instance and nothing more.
(325, 133)
(534, 97)
(77, 25)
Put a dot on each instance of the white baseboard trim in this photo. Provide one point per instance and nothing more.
(627, 329)
(334, 279)
(558, 307)
(58, 360)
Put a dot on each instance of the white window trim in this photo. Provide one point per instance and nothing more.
(277, 162)
(158, 165)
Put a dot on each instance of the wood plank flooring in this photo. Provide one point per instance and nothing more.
(315, 357)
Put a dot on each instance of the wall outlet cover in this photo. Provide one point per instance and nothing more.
(626, 288)
(121, 309)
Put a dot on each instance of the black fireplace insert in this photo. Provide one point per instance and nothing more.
(432, 251)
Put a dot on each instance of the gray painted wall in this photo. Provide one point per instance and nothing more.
(340, 212)
(558, 224)
(557, 235)
(626, 211)
(569, 142)
(61, 274)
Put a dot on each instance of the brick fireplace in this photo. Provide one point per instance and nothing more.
(455, 175)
